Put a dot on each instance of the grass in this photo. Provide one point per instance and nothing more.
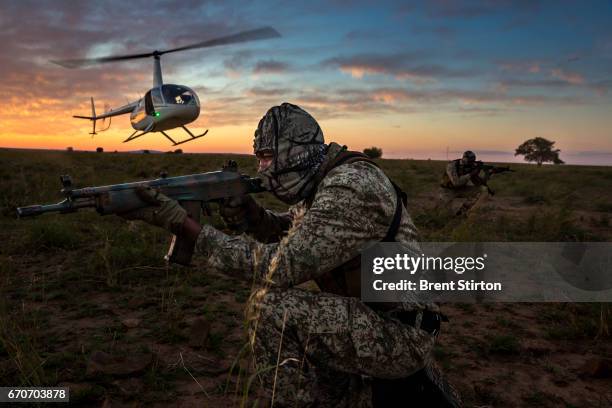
(507, 323)
(55, 269)
(444, 356)
(541, 399)
(483, 394)
(504, 344)
(20, 342)
(577, 321)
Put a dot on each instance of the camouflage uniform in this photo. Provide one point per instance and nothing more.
(456, 184)
(329, 341)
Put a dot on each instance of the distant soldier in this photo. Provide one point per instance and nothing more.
(328, 348)
(463, 178)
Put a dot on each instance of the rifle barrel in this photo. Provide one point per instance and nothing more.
(34, 210)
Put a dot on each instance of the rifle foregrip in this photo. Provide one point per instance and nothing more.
(181, 248)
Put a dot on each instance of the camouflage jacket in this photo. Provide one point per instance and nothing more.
(353, 205)
(452, 177)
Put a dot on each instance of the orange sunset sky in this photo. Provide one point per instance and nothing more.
(415, 80)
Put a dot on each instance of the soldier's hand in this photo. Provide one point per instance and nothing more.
(240, 212)
(162, 211)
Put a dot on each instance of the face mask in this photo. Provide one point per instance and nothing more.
(291, 175)
(297, 142)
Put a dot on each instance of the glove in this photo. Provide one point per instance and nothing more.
(163, 211)
(240, 213)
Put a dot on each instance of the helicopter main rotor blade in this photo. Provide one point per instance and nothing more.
(244, 36)
(263, 33)
(77, 63)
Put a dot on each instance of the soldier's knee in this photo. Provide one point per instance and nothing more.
(274, 305)
(266, 302)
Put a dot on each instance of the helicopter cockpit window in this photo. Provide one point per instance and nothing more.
(178, 95)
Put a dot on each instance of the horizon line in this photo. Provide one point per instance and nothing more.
(484, 152)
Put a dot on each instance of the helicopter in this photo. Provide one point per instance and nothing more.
(165, 106)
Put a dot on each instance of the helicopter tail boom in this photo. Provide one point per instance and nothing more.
(128, 108)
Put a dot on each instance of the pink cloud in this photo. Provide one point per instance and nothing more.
(523, 66)
(359, 71)
(573, 78)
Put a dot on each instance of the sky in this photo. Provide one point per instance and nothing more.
(418, 79)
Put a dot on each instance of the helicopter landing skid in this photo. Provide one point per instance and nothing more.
(134, 135)
(193, 137)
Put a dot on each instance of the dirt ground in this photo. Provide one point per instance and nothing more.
(87, 303)
(156, 347)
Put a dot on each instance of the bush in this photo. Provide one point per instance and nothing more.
(178, 151)
(373, 152)
(69, 149)
(99, 150)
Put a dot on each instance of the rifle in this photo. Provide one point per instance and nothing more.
(191, 191)
(490, 170)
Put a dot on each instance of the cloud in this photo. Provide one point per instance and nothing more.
(573, 78)
(529, 66)
(379, 79)
(271, 67)
(601, 87)
(362, 34)
(509, 83)
(349, 102)
(542, 75)
(468, 9)
(389, 96)
(47, 95)
(267, 91)
(402, 66)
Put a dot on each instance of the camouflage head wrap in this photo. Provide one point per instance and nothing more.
(297, 143)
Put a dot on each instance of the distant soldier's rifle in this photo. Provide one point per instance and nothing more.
(191, 191)
(480, 166)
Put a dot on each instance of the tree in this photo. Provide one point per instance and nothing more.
(99, 150)
(178, 151)
(69, 149)
(373, 152)
(539, 150)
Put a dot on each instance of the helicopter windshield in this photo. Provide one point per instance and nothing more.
(179, 95)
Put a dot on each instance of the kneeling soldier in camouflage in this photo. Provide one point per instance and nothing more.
(335, 351)
(462, 179)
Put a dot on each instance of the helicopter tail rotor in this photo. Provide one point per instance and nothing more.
(93, 117)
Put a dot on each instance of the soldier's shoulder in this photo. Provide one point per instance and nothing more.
(359, 176)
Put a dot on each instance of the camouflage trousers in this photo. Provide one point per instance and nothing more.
(319, 349)
(474, 197)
